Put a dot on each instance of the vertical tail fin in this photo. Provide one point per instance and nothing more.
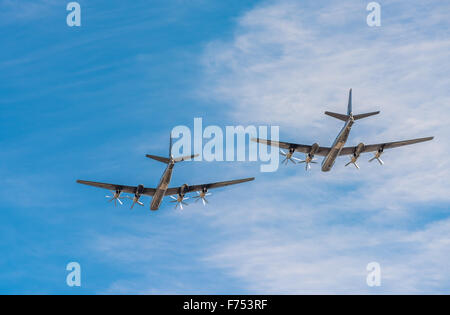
(170, 145)
(350, 111)
(349, 107)
(170, 159)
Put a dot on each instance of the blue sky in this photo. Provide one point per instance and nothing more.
(90, 102)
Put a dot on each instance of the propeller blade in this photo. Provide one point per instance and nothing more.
(378, 159)
(121, 203)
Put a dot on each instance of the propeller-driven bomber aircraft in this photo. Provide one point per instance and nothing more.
(163, 189)
(337, 149)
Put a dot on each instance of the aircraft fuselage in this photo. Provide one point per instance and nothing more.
(337, 146)
(162, 187)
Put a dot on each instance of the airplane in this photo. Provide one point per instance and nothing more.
(163, 189)
(337, 148)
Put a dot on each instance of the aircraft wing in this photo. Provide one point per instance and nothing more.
(383, 146)
(114, 187)
(175, 190)
(322, 151)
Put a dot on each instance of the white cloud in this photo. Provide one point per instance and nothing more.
(25, 10)
(287, 64)
(297, 232)
(334, 259)
(278, 69)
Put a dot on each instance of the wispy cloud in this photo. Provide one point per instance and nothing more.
(286, 64)
(290, 231)
(25, 10)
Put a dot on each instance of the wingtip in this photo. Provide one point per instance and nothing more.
(426, 138)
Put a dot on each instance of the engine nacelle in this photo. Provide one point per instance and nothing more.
(183, 190)
(356, 153)
(139, 190)
(359, 149)
(203, 192)
(314, 149)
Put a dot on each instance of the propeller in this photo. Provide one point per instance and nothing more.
(356, 153)
(353, 161)
(135, 199)
(116, 197)
(308, 160)
(288, 157)
(179, 201)
(377, 157)
(202, 195)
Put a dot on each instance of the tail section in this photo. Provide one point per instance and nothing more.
(360, 116)
(184, 158)
(158, 158)
(350, 112)
(349, 106)
(171, 159)
(338, 116)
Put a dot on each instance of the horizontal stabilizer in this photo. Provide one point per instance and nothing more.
(159, 158)
(175, 160)
(356, 117)
(338, 116)
(184, 158)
